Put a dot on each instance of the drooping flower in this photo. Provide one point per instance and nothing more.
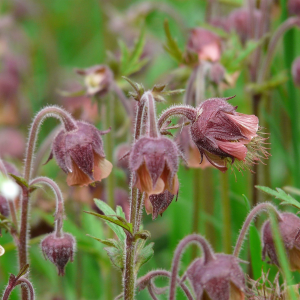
(289, 229)
(218, 279)
(223, 135)
(206, 44)
(154, 163)
(59, 250)
(80, 154)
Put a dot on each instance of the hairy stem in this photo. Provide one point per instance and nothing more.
(177, 110)
(153, 132)
(28, 285)
(226, 213)
(208, 255)
(59, 213)
(253, 213)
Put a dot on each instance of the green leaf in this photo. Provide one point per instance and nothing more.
(171, 45)
(19, 180)
(108, 242)
(281, 195)
(116, 256)
(71, 94)
(143, 256)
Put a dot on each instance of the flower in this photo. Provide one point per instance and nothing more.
(294, 7)
(223, 135)
(97, 80)
(79, 153)
(154, 163)
(218, 279)
(205, 43)
(244, 23)
(296, 71)
(59, 250)
(289, 229)
(4, 208)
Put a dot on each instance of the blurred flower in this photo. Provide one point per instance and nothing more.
(12, 143)
(222, 135)
(294, 7)
(2, 250)
(296, 71)
(59, 250)
(154, 163)
(289, 229)
(245, 25)
(190, 150)
(216, 73)
(221, 278)
(122, 156)
(80, 154)
(122, 199)
(97, 80)
(4, 208)
(205, 43)
(221, 23)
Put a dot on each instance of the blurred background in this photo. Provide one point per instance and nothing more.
(41, 45)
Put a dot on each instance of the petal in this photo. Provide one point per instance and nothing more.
(194, 159)
(102, 168)
(236, 293)
(77, 177)
(248, 124)
(211, 52)
(160, 203)
(294, 258)
(217, 161)
(148, 205)
(235, 149)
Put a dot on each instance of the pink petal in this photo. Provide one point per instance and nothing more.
(235, 149)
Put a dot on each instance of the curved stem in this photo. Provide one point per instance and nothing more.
(12, 285)
(143, 281)
(226, 213)
(188, 97)
(177, 110)
(152, 123)
(151, 292)
(29, 286)
(285, 26)
(208, 256)
(50, 111)
(253, 213)
(59, 213)
(125, 102)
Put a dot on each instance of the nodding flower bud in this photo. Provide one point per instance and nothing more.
(97, 80)
(296, 71)
(59, 250)
(223, 135)
(289, 229)
(205, 43)
(154, 163)
(245, 24)
(216, 73)
(79, 153)
(294, 7)
(218, 279)
(4, 208)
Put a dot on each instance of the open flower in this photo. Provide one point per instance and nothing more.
(218, 279)
(223, 135)
(205, 43)
(154, 162)
(79, 153)
(289, 228)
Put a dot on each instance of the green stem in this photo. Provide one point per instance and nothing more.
(198, 206)
(226, 213)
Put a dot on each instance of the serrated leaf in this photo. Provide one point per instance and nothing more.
(120, 212)
(109, 242)
(116, 257)
(143, 256)
(171, 45)
(19, 180)
(158, 88)
(281, 195)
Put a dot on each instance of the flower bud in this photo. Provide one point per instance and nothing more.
(241, 21)
(97, 80)
(205, 43)
(296, 71)
(222, 135)
(154, 163)
(219, 279)
(294, 7)
(289, 228)
(79, 153)
(4, 208)
(59, 250)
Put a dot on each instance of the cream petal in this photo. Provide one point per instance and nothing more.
(77, 177)
(104, 168)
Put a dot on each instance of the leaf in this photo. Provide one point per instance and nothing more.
(19, 180)
(71, 94)
(292, 190)
(143, 256)
(171, 45)
(116, 256)
(281, 195)
(108, 242)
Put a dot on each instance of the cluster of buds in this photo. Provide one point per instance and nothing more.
(79, 153)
